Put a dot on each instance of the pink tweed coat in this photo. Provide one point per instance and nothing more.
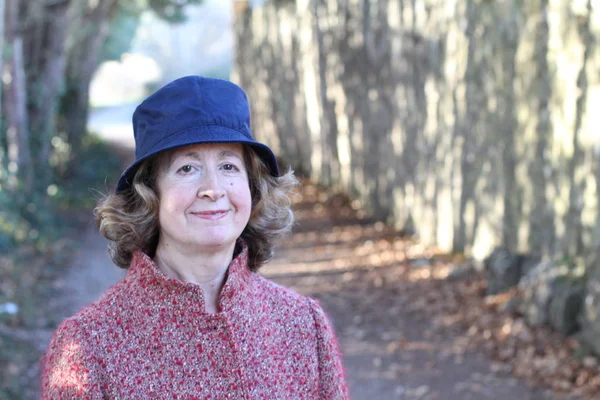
(149, 337)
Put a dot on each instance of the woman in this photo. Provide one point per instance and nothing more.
(193, 218)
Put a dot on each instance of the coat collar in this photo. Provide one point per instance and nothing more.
(162, 288)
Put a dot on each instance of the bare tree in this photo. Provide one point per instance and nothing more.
(540, 233)
(510, 38)
(48, 72)
(19, 153)
(2, 47)
(573, 222)
(89, 30)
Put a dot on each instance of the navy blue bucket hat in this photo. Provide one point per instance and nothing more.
(192, 110)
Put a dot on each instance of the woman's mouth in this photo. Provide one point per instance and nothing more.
(211, 215)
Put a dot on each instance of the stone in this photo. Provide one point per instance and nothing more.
(511, 306)
(528, 263)
(460, 271)
(590, 315)
(537, 287)
(503, 270)
(421, 262)
(565, 306)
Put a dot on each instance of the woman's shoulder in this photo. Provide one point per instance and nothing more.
(284, 305)
(97, 314)
(280, 295)
(273, 289)
(78, 343)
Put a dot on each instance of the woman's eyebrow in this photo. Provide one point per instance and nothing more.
(229, 153)
(175, 156)
(196, 155)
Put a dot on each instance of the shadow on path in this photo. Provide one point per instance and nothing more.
(90, 274)
(361, 273)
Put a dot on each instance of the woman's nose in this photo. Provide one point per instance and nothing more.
(211, 186)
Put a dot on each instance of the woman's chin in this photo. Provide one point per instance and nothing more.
(213, 246)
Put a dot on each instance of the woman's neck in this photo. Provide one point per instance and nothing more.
(207, 270)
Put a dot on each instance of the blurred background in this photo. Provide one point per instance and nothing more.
(471, 125)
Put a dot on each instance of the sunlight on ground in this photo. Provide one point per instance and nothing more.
(438, 272)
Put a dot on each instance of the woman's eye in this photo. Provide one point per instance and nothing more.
(230, 167)
(186, 169)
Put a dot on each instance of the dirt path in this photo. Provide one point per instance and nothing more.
(91, 271)
(89, 275)
(392, 349)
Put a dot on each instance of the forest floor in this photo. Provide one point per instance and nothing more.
(414, 323)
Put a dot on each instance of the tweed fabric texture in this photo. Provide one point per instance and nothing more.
(149, 337)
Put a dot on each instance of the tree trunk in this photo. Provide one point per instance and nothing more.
(468, 146)
(573, 245)
(49, 81)
(330, 167)
(90, 30)
(17, 133)
(2, 47)
(597, 231)
(541, 226)
(3, 145)
(508, 127)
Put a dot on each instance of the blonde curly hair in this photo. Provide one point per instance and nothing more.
(129, 219)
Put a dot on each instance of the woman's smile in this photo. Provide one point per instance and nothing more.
(211, 215)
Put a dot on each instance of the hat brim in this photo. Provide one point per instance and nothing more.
(199, 135)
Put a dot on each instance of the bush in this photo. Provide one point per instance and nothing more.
(37, 218)
(36, 232)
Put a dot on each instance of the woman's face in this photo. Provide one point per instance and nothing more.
(204, 197)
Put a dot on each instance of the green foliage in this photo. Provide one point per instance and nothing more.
(127, 18)
(283, 3)
(122, 32)
(33, 247)
(13, 354)
(222, 72)
(76, 188)
(171, 10)
(32, 223)
(39, 218)
(34, 244)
